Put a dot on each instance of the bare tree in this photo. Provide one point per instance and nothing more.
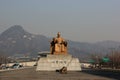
(97, 60)
(3, 59)
(115, 59)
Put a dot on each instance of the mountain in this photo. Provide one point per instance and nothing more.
(17, 41)
(109, 44)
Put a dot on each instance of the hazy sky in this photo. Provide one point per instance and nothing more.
(78, 20)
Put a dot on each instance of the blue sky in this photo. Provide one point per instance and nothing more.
(78, 20)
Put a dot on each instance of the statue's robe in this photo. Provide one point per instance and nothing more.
(58, 46)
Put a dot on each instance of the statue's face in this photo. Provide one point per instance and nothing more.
(58, 35)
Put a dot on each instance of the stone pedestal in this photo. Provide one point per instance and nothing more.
(56, 62)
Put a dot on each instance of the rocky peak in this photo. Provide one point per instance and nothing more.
(14, 31)
(16, 40)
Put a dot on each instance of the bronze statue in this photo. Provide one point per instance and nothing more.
(58, 45)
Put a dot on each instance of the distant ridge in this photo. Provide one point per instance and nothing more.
(109, 44)
(16, 40)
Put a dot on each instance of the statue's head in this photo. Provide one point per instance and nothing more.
(58, 34)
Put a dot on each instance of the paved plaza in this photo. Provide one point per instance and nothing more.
(31, 74)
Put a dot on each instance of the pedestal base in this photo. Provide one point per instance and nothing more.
(56, 62)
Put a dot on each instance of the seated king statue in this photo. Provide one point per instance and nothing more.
(58, 45)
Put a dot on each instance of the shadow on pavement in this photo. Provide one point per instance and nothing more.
(103, 73)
